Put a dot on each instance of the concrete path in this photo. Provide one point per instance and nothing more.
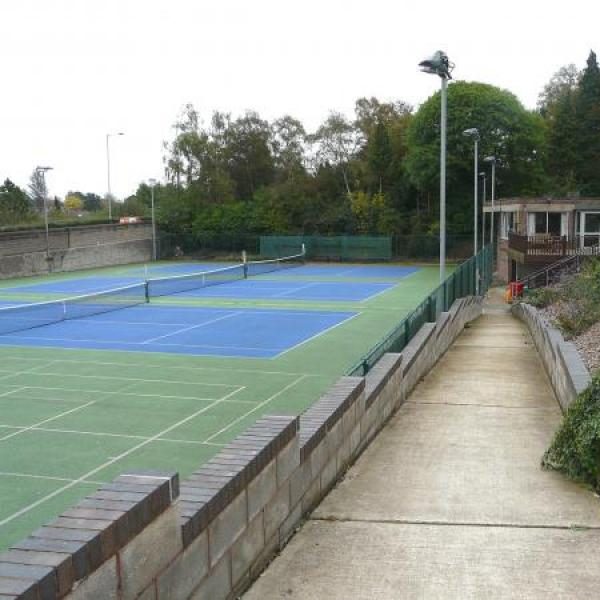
(450, 502)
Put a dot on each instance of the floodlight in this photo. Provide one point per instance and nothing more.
(438, 64)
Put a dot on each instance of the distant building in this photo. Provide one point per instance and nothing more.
(534, 232)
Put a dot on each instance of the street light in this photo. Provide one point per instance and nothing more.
(152, 183)
(493, 160)
(109, 135)
(483, 176)
(474, 133)
(439, 65)
(41, 171)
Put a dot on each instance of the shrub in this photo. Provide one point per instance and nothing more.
(580, 306)
(575, 449)
(542, 297)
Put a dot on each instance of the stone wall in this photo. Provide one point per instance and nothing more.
(24, 253)
(566, 370)
(147, 535)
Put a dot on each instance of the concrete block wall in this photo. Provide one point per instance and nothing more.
(23, 254)
(565, 368)
(149, 536)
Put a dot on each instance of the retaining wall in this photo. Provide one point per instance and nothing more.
(24, 253)
(149, 536)
(566, 370)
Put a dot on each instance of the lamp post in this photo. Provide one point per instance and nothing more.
(484, 179)
(108, 136)
(474, 133)
(439, 65)
(152, 183)
(41, 171)
(492, 160)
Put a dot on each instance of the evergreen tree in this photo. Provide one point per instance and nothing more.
(563, 143)
(379, 157)
(588, 126)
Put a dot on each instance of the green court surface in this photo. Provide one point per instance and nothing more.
(72, 419)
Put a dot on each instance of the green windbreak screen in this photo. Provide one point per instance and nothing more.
(338, 247)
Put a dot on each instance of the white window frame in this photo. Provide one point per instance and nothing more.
(564, 222)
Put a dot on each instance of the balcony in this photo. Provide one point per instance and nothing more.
(540, 249)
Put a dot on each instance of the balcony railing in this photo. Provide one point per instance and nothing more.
(545, 245)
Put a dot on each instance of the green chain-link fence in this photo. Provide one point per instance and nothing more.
(462, 282)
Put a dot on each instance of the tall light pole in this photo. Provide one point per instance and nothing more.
(483, 176)
(439, 65)
(41, 171)
(108, 136)
(152, 183)
(492, 159)
(474, 133)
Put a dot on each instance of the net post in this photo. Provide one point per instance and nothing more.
(303, 252)
(245, 263)
(146, 291)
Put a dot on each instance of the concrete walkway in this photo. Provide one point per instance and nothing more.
(450, 502)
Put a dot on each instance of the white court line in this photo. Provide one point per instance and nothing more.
(19, 389)
(133, 394)
(389, 288)
(129, 379)
(63, 414)
(160, 337)
(296, 289)
(114, 459)
(77, 408)
(257, 407)
(122, 435)
(30, 476)
(30, 370)
(317, 335)
(167, 367)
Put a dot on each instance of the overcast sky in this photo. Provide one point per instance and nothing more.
(74, 70)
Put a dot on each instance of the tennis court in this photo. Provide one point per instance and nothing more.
(166, 384)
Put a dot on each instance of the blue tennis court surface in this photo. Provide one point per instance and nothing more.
(250, 333)
(255, 288)
(262, 289)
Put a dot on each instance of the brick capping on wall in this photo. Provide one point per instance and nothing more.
(146, 535)
(565, 368)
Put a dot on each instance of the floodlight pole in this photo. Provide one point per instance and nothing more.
(474, 133)
(152, 184)
(439, 65)
(484, 179)
(444, 111)
(108, 135)
(492, 159)
(42, 172)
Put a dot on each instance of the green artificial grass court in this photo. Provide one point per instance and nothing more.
(72, 419)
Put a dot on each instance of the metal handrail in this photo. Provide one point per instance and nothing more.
(560, 264)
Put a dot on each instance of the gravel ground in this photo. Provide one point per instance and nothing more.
(587, 344)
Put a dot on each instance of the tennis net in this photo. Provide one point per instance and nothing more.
(259, 267)
(175, 284)
(29, 316)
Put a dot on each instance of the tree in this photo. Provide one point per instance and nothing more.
(565, 80)
(288, 138)
(248, 151)
(92, 202)
(15, 206)
(588, 126)
(338, 142)
(37, 189)
(563, 143)
(508, 131)
(379, 156)
(73, 202)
